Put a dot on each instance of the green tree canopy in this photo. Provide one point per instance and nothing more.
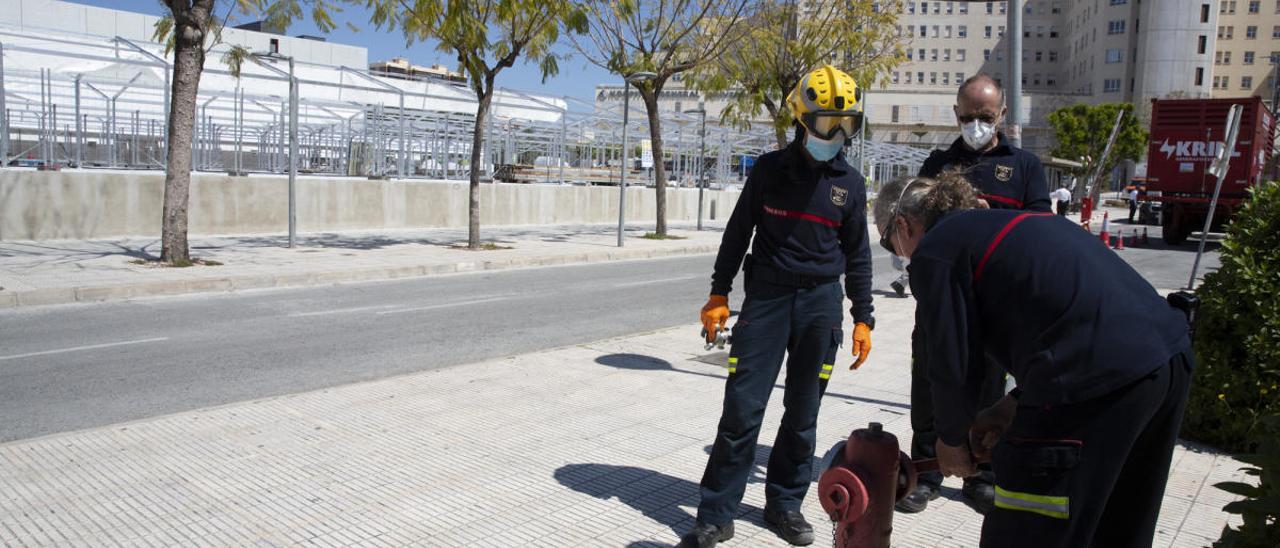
(1081, 133)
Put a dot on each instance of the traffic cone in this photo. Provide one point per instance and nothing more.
(1144, 236)
(1105, 235)
(1120, 241)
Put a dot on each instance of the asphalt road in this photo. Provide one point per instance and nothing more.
(79, 366)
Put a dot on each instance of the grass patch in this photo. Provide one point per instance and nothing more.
(656, 236)
(176, 264)
(487, 246)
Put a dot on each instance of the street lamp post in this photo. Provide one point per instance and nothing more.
(635, 78)
(702, 156)
(293, 140)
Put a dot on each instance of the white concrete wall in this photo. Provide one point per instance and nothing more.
(103, 204)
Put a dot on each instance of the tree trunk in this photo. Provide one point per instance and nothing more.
(779, 130)
(188, 64)
(659, 169)
(477, 142)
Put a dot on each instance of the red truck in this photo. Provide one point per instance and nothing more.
(1186, 134)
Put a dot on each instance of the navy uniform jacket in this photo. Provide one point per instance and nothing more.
(1006, 177)
(1069, 325)
(806, 221)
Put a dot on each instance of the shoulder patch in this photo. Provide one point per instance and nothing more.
(1004, 173)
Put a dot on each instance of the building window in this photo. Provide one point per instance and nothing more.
(963, 31)
(1226, 82)
(1115, 27)
(986, 55)
(1050, 81)
(960, 55)
(1039, 56)
(935, 31)
(964, 8)
(1275, 57)
(1001, 34)
(1119, 2)
(937, 8)
(959, 77)
(1216, 80)
(1057, 8)
(1248, 57)
(1226, 58)
(922, 57)
(908, 77)
(948, 32)
(989, 7)
(920, 77)
(924, 31)
(986, 32)
(911, 8)
(1204, 41)
(1053, 32)
(949, 6)
(1036, 80)
(1199, 76)
(894, 115)
(946, 78)
(933, 55)
(1254, 6)
(1204, 11)
(1217, 57)
(933, 78)
(1246, 82)
(1004, 7)
(1111, 85)
(1115, 56)
(946, 54)
(1251, 32)
(1275, 31)
(911, 55)
(1000, 55)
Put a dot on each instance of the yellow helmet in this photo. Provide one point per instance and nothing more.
(826, 102)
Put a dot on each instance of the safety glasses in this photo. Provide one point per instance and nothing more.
(885, 236)
(827, 124)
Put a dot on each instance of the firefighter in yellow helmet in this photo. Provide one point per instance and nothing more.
(806, 207)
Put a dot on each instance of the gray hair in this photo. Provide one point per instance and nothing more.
(923, 199)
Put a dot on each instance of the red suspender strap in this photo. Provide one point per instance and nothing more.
(995, 242)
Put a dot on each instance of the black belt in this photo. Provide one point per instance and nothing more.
(765, 273)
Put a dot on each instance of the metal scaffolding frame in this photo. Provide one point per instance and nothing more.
(95, 102)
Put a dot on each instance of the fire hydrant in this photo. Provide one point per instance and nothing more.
(859, 488)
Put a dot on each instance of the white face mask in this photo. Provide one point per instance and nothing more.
(977, 133)
(897, 246)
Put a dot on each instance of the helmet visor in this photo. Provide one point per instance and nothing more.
(827, 124)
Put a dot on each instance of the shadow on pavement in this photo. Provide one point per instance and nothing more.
(640, 362)
(658, 496)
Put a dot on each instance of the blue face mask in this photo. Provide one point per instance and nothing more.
(823, 150)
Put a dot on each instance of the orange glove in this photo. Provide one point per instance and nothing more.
(715, 314)
(861, 344)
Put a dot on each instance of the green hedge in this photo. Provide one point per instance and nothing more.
(1238, 332)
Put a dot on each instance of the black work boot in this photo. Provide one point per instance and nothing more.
(898, 288)
(918, 499)
(981, 494)
(791, 526)
(705, 535)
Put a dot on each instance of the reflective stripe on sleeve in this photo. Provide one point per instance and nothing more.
(733, 365)
(1045, 505)
(826, 371)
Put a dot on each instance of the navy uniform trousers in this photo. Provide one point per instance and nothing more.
(1089, 474)
(804, 323)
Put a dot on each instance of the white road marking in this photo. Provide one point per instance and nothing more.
(662, 281)
(81, 348)
(445, 305)
(337, 311)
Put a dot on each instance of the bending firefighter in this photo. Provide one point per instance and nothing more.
(1081, 448)
(807, 209)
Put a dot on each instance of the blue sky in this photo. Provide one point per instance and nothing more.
(577, 77)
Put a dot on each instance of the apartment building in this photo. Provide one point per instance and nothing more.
(1248, 48)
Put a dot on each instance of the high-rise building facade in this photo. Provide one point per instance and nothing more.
(1248, 48)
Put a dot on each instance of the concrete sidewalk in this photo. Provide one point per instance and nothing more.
(64, 271)
(594, 445)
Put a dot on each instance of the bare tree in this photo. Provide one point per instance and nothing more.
(787, 41)
(666, 38)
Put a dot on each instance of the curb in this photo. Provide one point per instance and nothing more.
(88, 294)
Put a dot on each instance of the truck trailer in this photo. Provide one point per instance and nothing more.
(1186, 134)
